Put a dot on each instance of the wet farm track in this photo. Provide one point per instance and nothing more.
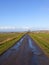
(24, 52)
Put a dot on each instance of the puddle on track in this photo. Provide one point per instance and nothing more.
(35, 50)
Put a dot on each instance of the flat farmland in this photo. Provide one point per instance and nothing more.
(8, 39)
(42, 39)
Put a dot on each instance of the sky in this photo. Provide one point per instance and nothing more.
(24, 14)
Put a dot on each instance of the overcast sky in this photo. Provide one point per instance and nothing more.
(26, 14)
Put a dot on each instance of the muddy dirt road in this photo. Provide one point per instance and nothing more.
(25, 52)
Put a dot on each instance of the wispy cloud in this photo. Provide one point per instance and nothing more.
(10, 28)
(5, 27)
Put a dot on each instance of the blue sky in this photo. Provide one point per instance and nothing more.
(24, 14)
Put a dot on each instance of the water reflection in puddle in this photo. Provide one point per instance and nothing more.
(35, 50)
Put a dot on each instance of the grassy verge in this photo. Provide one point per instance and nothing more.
(42, 40)
(8, 44)
(5, 36)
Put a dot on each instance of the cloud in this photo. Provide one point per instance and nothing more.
(5, 27)
(12, 28)
(25, 28)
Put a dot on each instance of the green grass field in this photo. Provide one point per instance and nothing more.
(8, 39)
(42, 39)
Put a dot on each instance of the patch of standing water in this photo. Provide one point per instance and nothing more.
(35, 50)
(17, 44)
